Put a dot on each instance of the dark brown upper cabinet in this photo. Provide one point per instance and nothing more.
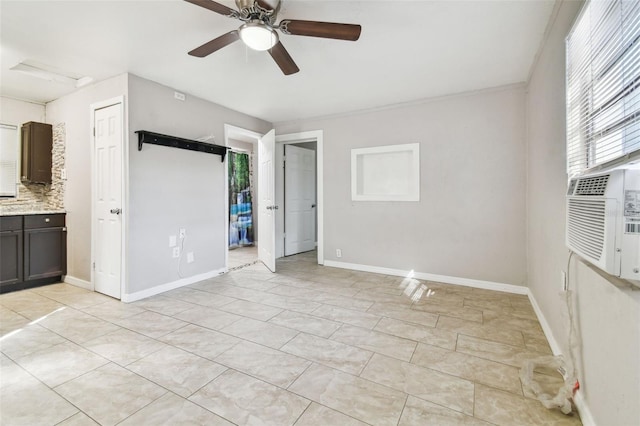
(37, 144)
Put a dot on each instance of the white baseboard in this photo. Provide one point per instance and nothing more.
(555, 347)
(487, 285)
(132, 297)
(583, 409)
(78, 282)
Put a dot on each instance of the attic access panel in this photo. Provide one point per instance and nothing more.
(181, 143)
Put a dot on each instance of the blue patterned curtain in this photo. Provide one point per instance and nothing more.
(240, 201)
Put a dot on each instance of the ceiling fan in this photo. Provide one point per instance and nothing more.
(259, 30)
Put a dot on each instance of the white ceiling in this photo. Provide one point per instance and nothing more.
(408, 50)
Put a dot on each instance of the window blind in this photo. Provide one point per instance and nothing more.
(603, 84)
(8, 160)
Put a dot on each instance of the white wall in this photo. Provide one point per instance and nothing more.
(172, 188)
(16, 112)
(470, 221)
(608, 317)
(74, 111)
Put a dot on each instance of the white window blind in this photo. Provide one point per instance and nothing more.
(603, 84)
(8, 160)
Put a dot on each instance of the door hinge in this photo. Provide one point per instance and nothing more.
(94, 266)
(284, 235)
(94, 132)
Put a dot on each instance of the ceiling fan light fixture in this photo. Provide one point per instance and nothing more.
(258, 36)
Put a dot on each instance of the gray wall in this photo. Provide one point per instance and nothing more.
(74, 111)
(171, 188)
(470, 220)
(607, 316)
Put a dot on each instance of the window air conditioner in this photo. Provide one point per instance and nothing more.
(603, 220)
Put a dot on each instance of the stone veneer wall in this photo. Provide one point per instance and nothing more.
(39, 197)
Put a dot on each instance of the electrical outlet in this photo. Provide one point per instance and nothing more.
(176, 252)
(338, 253)
(564, 280)
(183, 233)
(179, 96)
(63, 173)
(172, 241)
(190, 258)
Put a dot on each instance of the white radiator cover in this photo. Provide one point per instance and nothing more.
(603, 220)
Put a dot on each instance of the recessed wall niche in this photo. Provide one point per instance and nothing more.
(386, 173)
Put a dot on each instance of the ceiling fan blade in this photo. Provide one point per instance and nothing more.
(321, 29)
(283, 59)
(213, 6)
(215, 44)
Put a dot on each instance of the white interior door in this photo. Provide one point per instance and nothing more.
(108, 200)
(300, 200)
(266, 201)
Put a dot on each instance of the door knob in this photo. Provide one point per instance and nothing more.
(115, 211)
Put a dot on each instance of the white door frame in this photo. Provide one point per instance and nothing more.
(234, 132)
(124, 179)
(310, 136)
(296, 173)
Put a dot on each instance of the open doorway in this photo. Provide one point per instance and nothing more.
(241, 139)
(300, 198)
(301, 193)
(241, 197)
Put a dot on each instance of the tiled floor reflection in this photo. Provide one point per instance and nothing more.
(309, 345)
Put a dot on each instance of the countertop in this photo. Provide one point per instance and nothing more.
(6, 212)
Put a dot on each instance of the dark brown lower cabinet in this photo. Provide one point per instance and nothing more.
(35, 254)
(11, 249)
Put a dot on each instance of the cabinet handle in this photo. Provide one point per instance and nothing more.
(47, 220)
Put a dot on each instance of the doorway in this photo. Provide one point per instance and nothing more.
(241, 192)
(233, 133)
(311, 140)
(241, 197)
(299, 198)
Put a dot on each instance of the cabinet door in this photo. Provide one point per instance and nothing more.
(11, 259)
(37, 144)
(45, 253)
(25, 165)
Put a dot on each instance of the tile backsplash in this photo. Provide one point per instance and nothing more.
(39, 197)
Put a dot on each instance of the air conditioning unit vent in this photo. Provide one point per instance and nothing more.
(595, 185)
(603, 220)
(586, 226)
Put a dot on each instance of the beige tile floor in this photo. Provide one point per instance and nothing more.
(309, 345)
(241, 256)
